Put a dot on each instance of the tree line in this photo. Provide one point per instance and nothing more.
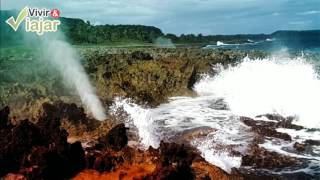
(78, 31)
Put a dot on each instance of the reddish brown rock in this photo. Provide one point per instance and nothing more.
(40, 151)
(204, 170)
(170, 161)
(174, 163)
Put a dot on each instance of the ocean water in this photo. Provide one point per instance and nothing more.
(272, 45)
(278, 84)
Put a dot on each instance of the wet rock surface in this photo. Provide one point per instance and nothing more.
(169, 161)
(194, 133)
(299, 146)
(41, 151)
(258, 157)
(39, 148)
(282, 122)
(262, 158)
(252, 174)
(312, 142)
(265, 128)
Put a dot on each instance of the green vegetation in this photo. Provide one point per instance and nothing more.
(7, 35)
(148, 75)
(25, 76)
(239, 38)
(79, 32)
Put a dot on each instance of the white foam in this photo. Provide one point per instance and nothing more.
(287, 148)
(302, 134)
(289, 87)
(220, 43)
(183, 113)
(215, 148)
(270, 39)
(222, 159)
(141, 118)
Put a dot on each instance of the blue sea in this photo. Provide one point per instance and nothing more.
(273, 45)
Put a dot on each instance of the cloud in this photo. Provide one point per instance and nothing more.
(309, 13)
(189, 16)
(299, 22)
(275, 14)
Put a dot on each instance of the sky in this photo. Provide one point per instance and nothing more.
(190, 16)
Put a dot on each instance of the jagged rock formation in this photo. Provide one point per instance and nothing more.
(41, 151)
(258, 157)
(147, 75)
(152, 75)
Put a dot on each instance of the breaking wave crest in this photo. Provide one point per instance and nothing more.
(289, 87)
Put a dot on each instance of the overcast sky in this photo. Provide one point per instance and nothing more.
(190, 16)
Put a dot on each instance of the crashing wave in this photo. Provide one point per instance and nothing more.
(220, 43)
(289, 87)
(270, 39)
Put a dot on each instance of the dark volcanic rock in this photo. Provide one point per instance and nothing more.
(50, 129)
(276, 117)
(312, 142)
(110, 150)
(283, 122)
(4, 117)
(170, 161)
(54, 163)
(116, 139)
(16, 145)
(299, 146)
(258, 157)
(71, 117)
(107, 161)
(40, 151)
(61, 110)
(288, 124)
(261, 158)
(175, 162)
(265, 128)
(76, 156)
(251, 174)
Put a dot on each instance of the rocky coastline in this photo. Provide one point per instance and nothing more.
(45, 134)
(147, 75)
(45, 150)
